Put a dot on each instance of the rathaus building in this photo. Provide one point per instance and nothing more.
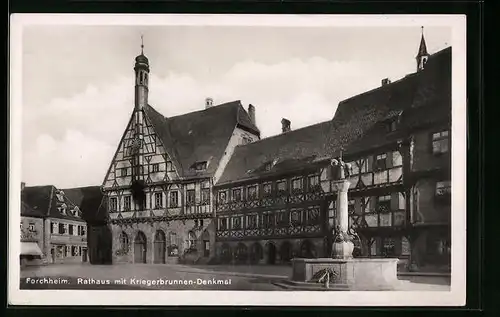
(159, 186)
(204, 187)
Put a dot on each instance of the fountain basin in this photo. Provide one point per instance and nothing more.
(349, 274)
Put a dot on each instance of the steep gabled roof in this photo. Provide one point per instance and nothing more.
(359, 124)
(44, 202)
(88, 199)
(200, 136)
(37, 199)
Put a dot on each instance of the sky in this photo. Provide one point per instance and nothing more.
(78, 81)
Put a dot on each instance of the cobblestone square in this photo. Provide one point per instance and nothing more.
(181, 277)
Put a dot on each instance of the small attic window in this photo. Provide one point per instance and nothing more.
(269, 165)
(199, 166)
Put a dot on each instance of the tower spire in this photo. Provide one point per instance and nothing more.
(422, 55)
(142, 44)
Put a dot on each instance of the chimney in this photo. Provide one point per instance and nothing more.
(386, 81)
(251, 113)
(209, 102)
(285, 125)
(23, 184)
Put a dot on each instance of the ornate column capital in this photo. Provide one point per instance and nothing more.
(341, 185)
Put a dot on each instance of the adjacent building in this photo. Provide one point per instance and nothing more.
(159, 186)
(274, 200)
(54, 222)
(90, 200)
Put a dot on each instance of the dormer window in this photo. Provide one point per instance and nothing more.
(200, 166)
(269, 165)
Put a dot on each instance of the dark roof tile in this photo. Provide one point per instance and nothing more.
(359, 123)
(200, 136)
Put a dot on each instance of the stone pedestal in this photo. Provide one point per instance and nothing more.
(349, 274)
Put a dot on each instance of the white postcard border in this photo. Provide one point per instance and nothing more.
(456, 295)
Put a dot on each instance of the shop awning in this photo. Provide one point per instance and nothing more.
(30, 248)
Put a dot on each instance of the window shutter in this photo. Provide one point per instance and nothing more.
(394, 201)
(388, 161)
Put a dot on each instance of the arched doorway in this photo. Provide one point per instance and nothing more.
(241, 253)
(159, 247)
(256, 253)
(307, 250)
(270, 253)
(225, 253)
(286, 252)
(140, 248)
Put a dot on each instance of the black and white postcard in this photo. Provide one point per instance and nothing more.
(237, 160)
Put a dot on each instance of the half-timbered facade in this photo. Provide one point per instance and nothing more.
(158, 188)
(274, 200)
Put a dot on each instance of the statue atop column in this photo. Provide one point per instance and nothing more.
(343, 235)
(343, 168)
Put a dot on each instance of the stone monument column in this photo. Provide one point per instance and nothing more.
(343, 246)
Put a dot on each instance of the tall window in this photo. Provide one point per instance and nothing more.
(384, 203)
(267, 189)
(156, 168)
(236, 223)
(252, 192)
(127, 203)
(223, 224)
(297, 185)
(237, 194)
(174, 199)
(205, 196)
(313, 183)
(251, 221)
(268, 220)
(296, 217)
(70, 229)
(388, 247)
(222, 197)
(158, 200)
(170, 167)
(281, 187)
(190, 197)
(123, 242)
(123, 172)
(191, 240)
(61, 228)
(440, 142)
(113, 204)
(380, 162)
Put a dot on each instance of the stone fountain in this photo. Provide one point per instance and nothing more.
(341, 271)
